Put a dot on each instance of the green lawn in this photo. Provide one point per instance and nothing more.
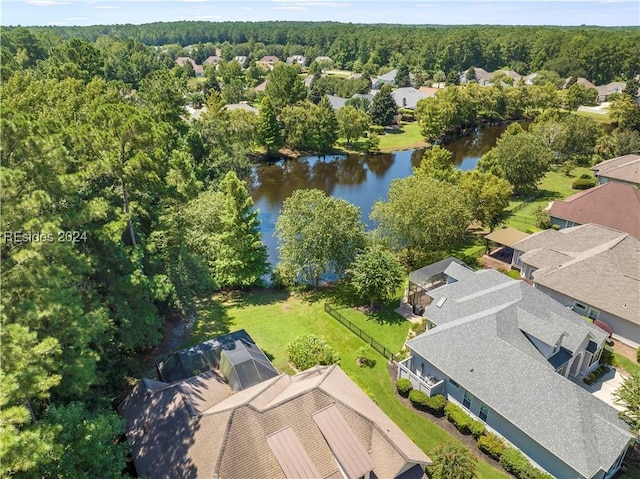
(599, 117)
(407, 136)
(274, 318)
(554, 186)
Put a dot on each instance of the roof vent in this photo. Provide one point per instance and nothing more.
(441, 302)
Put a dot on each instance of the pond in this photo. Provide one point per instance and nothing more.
(360, 179)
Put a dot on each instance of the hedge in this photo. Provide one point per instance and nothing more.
(421, 401)
(476, 428)
(596, 374)
(583, 183)
(458, 417)
(638, 355)
(404, 387)
(514, 462)
(491, 445)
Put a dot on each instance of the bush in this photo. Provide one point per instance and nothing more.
(604, 326)
(638, 355)
(491, 445)
(308, 350)
(458, 417)
(476, 428)
(583, 184)
(422, 401)
(514, 462)
(596, 374)
(363, 359)
(404, 387)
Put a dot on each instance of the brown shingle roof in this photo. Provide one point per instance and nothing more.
(614, 204)
(230, 438)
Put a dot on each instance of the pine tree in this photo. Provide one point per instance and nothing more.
(383, 108)
(241, 257)
(267, 128)
(402, 76)
(327, 133)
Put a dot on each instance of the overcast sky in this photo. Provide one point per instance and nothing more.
(443, 12)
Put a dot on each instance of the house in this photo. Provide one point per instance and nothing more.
(613, 204)
(337, 102)
(314, 424)
(483, 77)
(506, 353)
(590, 268)
(580, 81)
(514, 75)
(387, 79)
(324, 59)
(625, 169)
(308, 80)
(609, 89)
(243, 105)
(212, 60)
(530, 78)
(196, 68)
(299, 59)
(429, 91)
(407, 97)
(268, 61)
(262, 87)
(242, 60)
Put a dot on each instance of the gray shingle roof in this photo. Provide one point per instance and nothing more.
(408, 97)
(485, 351)
(337, 102)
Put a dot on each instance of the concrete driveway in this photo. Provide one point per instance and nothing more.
(604, 388)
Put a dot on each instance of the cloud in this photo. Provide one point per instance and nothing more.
(104, 7)
(46, 3)
(290, 7)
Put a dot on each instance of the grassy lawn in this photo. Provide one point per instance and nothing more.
(274, 318)
(630, 473)
(407, 136)
(339, 73)
(554, 186)
(599, 117)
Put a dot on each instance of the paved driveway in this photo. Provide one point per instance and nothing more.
(604, 388)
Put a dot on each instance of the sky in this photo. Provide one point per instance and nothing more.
(441, 12)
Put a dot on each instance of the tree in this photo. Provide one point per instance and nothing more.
(267, 128)
(437, 162)
(383, 107)
(632, 88)
(307, 351)
(285, 88)
(471, 75)
(327, 131)
(577, 95)
(422, 218)
(452, 460)
(628, 396)
(522, 159)
(240, 256)
(375, 274)
(486, 195)
(318, 235)
(352, 123)
(402, 76)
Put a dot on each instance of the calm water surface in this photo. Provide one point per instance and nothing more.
(360, 179)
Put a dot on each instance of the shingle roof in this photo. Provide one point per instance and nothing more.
(407, 97)
(613, 204)
(336, 102)
(421, 275)
(590, 263)
(389, 76)
(623, 168)
(229, 439)
(486, 351)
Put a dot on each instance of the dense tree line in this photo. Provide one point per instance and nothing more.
(597, 53)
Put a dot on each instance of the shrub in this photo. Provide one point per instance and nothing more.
(596, 374)
(308, 350)
(458, 417)
(422, 401)
(476, 428)
(363, 359)
(604, 326)
(583, 183)
(514, 462)
(491, 445)
(638, 355)
(404, 387)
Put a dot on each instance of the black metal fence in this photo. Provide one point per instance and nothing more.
(359, 332)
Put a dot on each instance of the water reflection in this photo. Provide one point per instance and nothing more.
(360, 179)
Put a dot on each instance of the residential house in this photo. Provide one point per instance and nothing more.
(613, 204)
(243, 105)
(337, 102)
(268, 61)
(530, 78)
(212, 60)
(407, 97)
(483, 77)
(242, 60)
(506, 353)
(625, 169)
(322, 59)
(590, 268)
(387, 79)
(605, 90)
(580, 81)
(308, 80)
(514, 75)
(429, 91)
(315, 424)
(299, 59)
(196, 68)
(262, 87)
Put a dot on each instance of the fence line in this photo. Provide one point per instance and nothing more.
(523, 219)
(342, 319)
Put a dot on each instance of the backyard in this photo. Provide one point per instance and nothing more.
(274, 318)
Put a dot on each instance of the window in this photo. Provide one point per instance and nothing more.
(593, 313)
(466, 402)
(580, 308)
(453, 383)
(484, 412)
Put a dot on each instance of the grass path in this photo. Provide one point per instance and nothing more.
(274, 318)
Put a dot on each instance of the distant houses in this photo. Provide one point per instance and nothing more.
(624, 169)
(198, 69)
